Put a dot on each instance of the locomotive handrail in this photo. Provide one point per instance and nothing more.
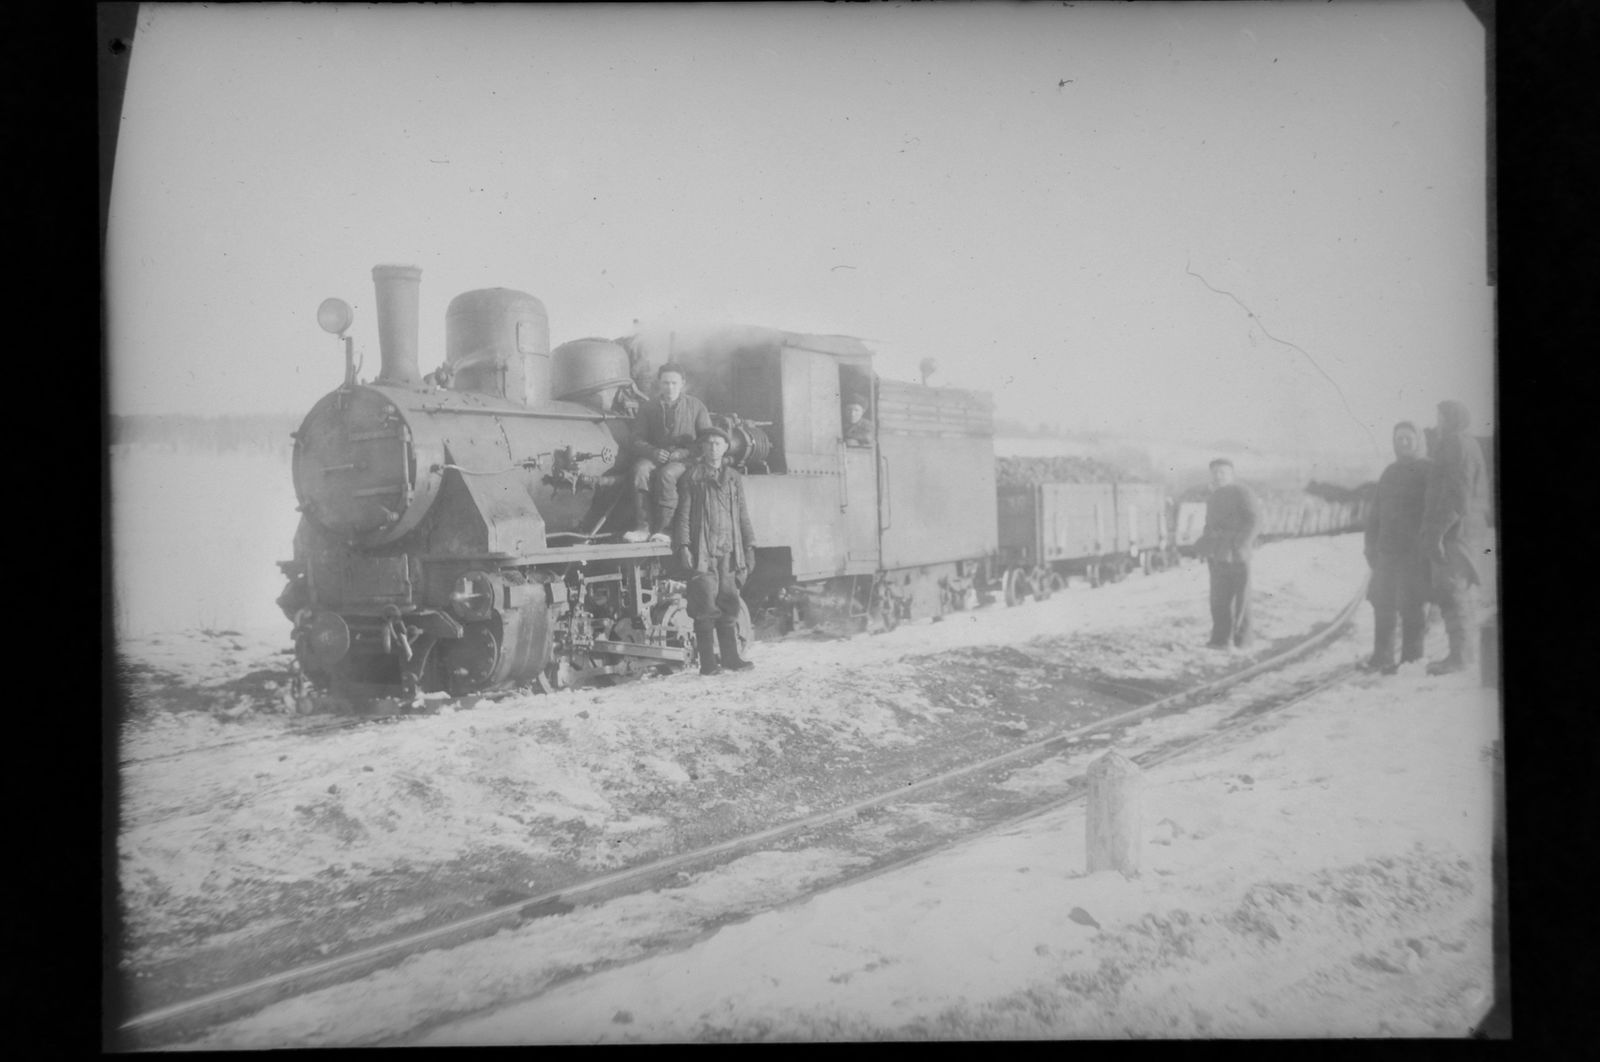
(543, 414)
(526, 463)
(844, 478)
(886, 514)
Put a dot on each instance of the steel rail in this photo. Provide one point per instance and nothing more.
(259, 993)
(1077, 790)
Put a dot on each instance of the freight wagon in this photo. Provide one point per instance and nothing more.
(1100, 531)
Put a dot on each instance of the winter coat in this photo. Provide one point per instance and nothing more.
(1232, 518)
(694, 525)
(1396, 518)
(670, 428)
(1456, 502)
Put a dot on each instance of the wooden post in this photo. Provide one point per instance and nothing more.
(1113, 815)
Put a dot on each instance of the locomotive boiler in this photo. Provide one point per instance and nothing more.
(451, 531)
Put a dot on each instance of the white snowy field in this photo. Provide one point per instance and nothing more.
(1325, 873)
(196, 537)
(1327, 876)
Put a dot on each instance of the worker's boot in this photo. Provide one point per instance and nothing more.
(663, 524)
(728, 637)
(705, 641)
(1382, 659)
(641, 518)
(1460, 628)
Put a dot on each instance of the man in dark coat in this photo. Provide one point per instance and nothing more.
(1454, 524)
(1399, 587)
(716, 544)
(667, 431)
(1232, 517)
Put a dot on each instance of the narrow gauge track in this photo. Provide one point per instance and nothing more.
(867, 826)
(325, 726)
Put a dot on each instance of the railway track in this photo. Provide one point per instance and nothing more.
(881, 831)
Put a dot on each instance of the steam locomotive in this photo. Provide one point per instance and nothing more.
(460, 531)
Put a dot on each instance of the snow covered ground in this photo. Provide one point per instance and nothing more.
(1327, 874)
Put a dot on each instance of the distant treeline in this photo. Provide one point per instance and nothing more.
(262, 432)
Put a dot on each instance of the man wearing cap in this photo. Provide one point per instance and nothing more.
(1232, 517)
(857, 426)
(715, 542)
(1455, 516)
(1399, 587)
(668, 429)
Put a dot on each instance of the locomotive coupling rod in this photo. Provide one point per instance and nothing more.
(650, 652)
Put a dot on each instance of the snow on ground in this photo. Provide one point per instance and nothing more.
(524, 774)
(1329, 875)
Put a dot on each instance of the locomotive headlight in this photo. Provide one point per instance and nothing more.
(335, 315)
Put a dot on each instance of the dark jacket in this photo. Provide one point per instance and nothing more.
(1456, 506)
(696, 522)
(859, 433)
(1396, 517)
(676, 428)
(1232, 518)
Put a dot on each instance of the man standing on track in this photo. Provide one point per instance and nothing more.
(668, 429)
(1227, 542)
(716, 543)
(1399, 587)
(1454, 523)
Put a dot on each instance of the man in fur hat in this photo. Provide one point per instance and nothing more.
(1399, 587)
(716, 544)
(857, 425)
(1454, 524)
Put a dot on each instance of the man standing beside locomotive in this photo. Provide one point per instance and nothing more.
(1232, 517)
(668, 428)
(1399, 589)
(716, 543)
(1454, 522)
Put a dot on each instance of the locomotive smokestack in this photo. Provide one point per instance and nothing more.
(397, 287)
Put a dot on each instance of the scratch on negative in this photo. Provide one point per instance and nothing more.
(1292, 346)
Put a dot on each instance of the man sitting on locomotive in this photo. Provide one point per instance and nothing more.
(668, 428)
(857, 426)
(715, 543)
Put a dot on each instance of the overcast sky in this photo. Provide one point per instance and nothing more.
(1040, 197)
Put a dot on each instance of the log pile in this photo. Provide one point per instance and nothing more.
(1030, 471)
